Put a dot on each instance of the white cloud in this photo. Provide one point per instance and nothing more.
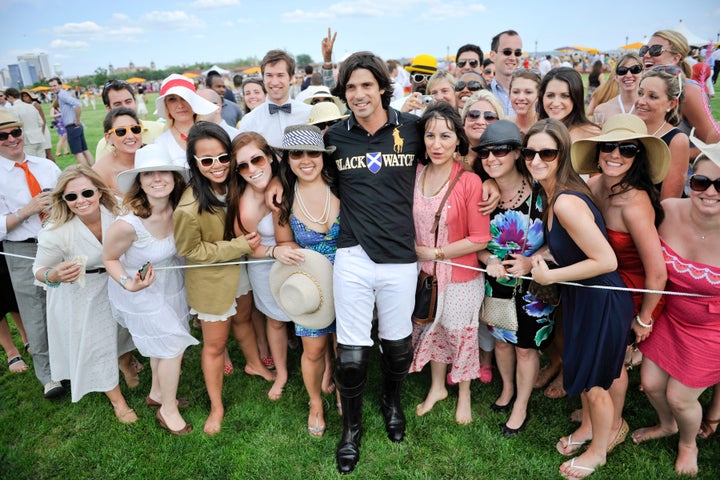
(124, 31)
(175, 20)
(207, 4)
(120, 17)
(451, 10)
(84, 28)
(301, 16)
(68, 45)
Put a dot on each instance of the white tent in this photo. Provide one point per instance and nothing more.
(693, 40)
(220, 70)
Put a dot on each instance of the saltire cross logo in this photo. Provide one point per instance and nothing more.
(374, 161)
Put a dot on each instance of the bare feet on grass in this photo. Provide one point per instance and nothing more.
(463, 414)
(651, 433)
(276, 390)
(261, 371)
(214, 421)
(686, 463)
(432, 398)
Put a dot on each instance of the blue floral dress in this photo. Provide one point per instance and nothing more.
(508, 227)
(325, 243)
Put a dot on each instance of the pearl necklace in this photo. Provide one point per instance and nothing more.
(324, 216)
(659, 128)
(515, 200)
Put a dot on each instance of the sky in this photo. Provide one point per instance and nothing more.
(84, 35)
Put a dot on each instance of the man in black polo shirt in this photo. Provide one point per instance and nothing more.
(375, 264)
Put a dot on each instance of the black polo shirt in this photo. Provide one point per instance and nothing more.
(376, 175)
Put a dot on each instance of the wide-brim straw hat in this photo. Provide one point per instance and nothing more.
(30, 93)
(305, 292)
(711, 151)
(184, 88)
(325, 112)
(324, 92)
(620, 128)
(304, 137)
(7, 119)
(150, 158)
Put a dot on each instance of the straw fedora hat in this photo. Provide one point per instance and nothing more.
(712, 151)
(150, 158)
(184, 88)
(325, 112)
(7, 119)
(620, 128)
(305, 292)
(304, 137)
(324, 92)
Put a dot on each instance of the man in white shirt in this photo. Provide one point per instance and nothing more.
(279, 111)
(545, 65)
(19, 227)
(28, 115)
(505, 51)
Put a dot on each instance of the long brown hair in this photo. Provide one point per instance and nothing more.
(137, 202)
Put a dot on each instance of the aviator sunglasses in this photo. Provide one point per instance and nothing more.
(635, 69)
(71, 197)
(222, 159)
(700, 183)
(498, 151)
(122, 131)
(488, 115)
(627, 150)
(244, 167)
(473, 63)
(546, 154)
(15, 132)
(472, 85)
(655, 50)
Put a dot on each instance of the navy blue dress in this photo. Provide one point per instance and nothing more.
(596, 321)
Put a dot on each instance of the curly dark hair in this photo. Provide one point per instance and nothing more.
(449, 114)
(371, 62)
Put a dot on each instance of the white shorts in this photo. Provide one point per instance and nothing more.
(359, 284)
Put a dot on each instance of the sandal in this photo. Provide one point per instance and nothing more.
(620, 437)
(567, 451)
(268, 362)
(545, 376)
(17, 364)
(708, 428)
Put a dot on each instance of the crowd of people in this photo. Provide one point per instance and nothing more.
(314, 217)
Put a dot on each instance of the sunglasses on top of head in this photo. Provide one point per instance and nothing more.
(71, 197)
(498, 151)
(244, 167)
(122, 131)
(622, 70)
(509, 51)
(222, 159)
(472, 85)
(546, 154)
(700, 183)
(473, 63)
(627, 150)
(654, 50)
(15, 132)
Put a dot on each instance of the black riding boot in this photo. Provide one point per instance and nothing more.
(350, 378)
(396, 357)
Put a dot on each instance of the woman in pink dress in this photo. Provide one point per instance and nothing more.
(682, 355)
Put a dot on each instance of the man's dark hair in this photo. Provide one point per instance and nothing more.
(495, 43)
(116, 85)
(12, 92)
(308, 69)
(375, 65)
(57, 79)
(470, 48)
(274, 56)
(209, 79)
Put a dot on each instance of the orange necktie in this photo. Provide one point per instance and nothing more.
(32, 182)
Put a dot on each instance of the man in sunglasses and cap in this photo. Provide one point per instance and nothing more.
(24, 196)
(421, 69)
(505, 52)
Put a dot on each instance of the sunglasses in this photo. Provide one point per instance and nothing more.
(420, 77)
(222, 159)
(324, 125)
(71, 197)
(488, 71)
(655, 50)
(488, 115)
(700, 183)
(122, 131)
(508, 52)
(473, 63)
(546, 154)
(627, 150)
(319, 100)
(244, 167)
(15, 132)
(472, 85)
(298, 154)
(498, 151)
(635, 69)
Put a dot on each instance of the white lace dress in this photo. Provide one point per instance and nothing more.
(157, 316)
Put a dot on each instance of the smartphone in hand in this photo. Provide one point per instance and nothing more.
(143, 270)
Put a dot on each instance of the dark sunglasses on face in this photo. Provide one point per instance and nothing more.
(498, 151)
(673, 70)
(122, 131)
(420, 77)
(700, 183)
(222, 159)
(627, 150)
(71, 197)
(655, 50)
(320, 99)
(508, 52)
(488, 71)
(472, 85)
(15, 132)
(488, 115)
(324, 125)
(244, 167)
(298, 154)
(546, 155)
(635, 69)
(473, 63)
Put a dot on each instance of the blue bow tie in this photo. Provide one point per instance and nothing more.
(287, 108)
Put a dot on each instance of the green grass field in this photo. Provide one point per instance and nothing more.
(42, 439)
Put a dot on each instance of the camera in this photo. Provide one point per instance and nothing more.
(427, 100)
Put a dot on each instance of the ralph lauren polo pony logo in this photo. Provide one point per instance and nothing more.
(374, 161)
(399, 141)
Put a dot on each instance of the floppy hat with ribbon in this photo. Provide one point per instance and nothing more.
(324, 92)
(423, 63)
(150, 158)
(325, 112)
(304, 137)
(305, 292)
(8, 120)
(184, 88)
(620, 128)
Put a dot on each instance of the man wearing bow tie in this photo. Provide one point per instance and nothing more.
(278, 111)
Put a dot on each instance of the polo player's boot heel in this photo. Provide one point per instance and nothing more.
(350, 378)
(396, 357)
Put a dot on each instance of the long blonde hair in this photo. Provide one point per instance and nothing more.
(60, 212)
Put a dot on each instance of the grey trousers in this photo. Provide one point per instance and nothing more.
(31, 303)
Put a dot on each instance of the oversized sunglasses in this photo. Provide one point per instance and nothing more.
(546, 154)
(487, 114)
(71, 197)
(498, 151)
(298, 154)
(222, 159)
(622, 70)
(122, 131)
(472, 85)
(655, 50)
(324, 125)
(473, 63)
(15, 132)
(508, 52)
(627, 150)
(244, 167)
(700, 183)
(420, 77)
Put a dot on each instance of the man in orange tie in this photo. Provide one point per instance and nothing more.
(24, 181)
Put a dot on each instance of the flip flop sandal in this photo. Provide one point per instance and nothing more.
(571, 443)
(17, 364)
